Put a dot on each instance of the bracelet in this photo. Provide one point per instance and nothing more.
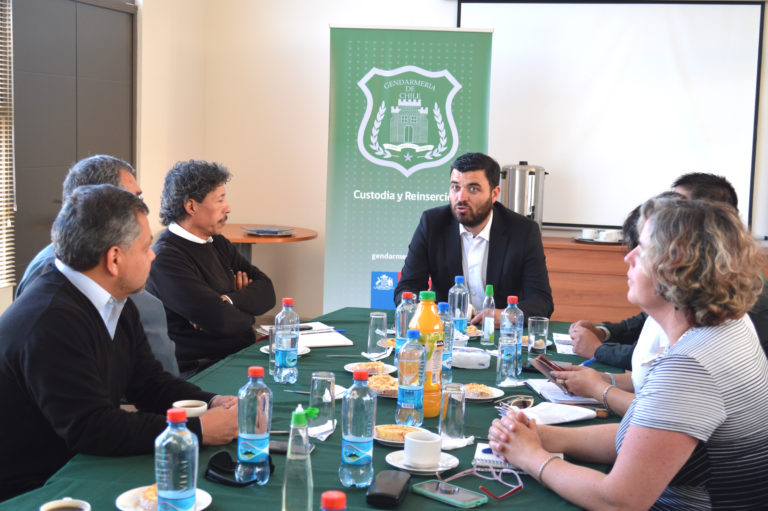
(605, 395)
(612, 377)
(541, 468)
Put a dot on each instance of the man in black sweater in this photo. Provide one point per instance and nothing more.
(210, 292)
(72, 346)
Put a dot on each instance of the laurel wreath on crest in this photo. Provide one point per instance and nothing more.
(436, 153)
(375, 133)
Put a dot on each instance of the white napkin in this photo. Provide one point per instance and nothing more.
(450, 444)
(556, 413)
(470, 358)
(322, 431)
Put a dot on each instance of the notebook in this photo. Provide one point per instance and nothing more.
(485, 459)
(552, 392)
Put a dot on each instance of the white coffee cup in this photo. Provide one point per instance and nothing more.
(422, 449)
(609, 235)
(193, 407)
(66, 503)
(589, 234)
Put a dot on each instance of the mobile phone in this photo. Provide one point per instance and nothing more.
(544, 366)
(451, 494)
(281, 446)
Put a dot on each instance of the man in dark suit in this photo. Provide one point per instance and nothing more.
(476, 237)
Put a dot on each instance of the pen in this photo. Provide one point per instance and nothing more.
(589, 362)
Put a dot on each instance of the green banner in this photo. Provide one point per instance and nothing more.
(404, 104)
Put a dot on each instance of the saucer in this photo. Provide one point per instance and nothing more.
(303, 350)
(447, 462)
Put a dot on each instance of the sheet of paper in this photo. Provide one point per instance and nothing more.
(320, 336)
(552, 392)
(563, 343)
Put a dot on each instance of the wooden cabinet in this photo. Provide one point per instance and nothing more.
(589, 281)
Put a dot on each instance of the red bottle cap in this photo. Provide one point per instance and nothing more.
(176, 415)
(333, 500)
(256, 372)
(287, 302)
(407, 294)
(511, 299)
(360, 375)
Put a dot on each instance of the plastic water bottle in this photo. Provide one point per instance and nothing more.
(509, 363)
(297, 483)
(358, 415)
(410, 379)
(333, 500)
(254, 419)
(176, 454)
(286, 343)
(403, 315)
(458, 304)
(445, 315)
(489, 316)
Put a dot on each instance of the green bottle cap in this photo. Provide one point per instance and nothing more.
(489, 290)
(426, 295)
(299, 416)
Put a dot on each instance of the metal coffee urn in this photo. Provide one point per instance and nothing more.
(523, 189)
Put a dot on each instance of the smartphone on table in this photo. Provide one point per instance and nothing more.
(450, 494)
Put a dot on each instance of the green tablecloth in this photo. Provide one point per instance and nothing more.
(100, 480)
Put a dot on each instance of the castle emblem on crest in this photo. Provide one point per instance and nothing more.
(413, 126)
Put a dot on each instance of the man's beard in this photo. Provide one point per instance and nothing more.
(473, 218)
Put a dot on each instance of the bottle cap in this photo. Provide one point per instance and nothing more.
(360, 375)
(489, 290)
(511, 299)
(333, 500)
(406, 295)
(176, 415)
(256, 372)
(427, 295)
(287, 302)
(413, 334)
(458, 279)
(442, 307)
(299, 415)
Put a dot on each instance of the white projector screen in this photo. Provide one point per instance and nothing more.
(617, 100)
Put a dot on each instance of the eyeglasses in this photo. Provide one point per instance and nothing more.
(494, 476)
(221, 469)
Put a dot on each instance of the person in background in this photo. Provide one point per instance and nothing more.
(696, 435)
(479, 238)
(613, 343)
(105, 169)
(72, 346)
(210, 292)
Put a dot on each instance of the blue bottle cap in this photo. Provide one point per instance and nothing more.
(442, 307)
(458, 279)
(413, 334)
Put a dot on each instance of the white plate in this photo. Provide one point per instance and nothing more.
(129, 501)
(495, 394)
(447, 462)
(303, 350)
(391, 443)
(386, 369)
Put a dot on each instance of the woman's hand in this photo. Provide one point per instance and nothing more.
(516, 439)
(581, 381)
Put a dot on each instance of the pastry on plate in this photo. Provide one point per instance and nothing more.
(372, 367)
(394, 432)
(148, 499)
(473, 331)
(477, 390)
(383, 384)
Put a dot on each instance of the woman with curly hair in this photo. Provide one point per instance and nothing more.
(696, 434)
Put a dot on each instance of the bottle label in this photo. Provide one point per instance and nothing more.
(252, 449)
(355, 452)
(184, 504)
(410, 398)
(286, 358)
(460, 324)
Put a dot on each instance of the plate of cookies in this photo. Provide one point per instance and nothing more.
(393, 435)
(478, 392)
(377, 367)
(387, 343)
(144, 498)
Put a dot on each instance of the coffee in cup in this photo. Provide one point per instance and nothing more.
(193, 407)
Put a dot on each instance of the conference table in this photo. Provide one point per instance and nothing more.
(100, 480)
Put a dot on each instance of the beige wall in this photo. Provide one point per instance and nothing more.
(245, 83)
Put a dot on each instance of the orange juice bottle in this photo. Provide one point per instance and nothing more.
(429, 324)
